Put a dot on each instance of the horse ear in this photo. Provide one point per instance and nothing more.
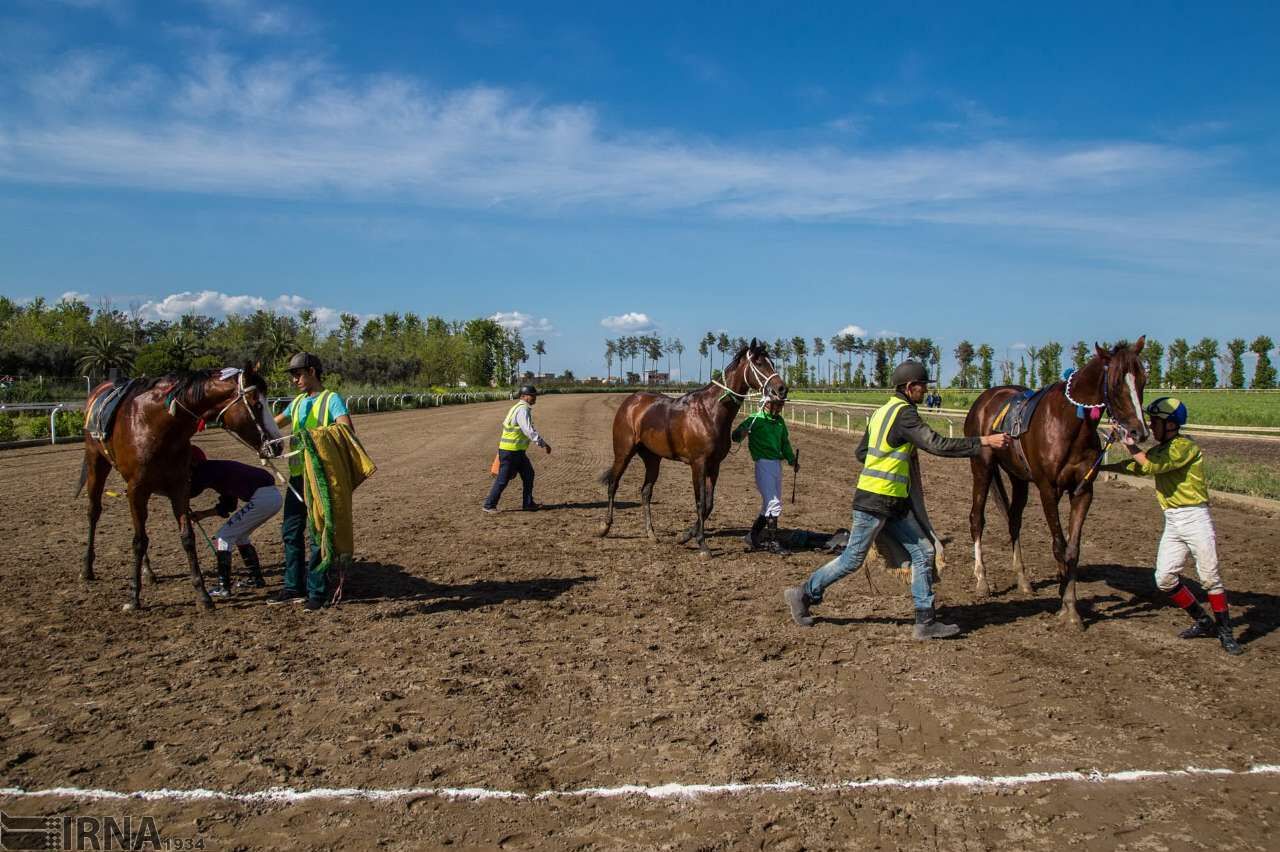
(1137, 347)
(754, 346)
(1102, 353)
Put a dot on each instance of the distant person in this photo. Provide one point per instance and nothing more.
(312, 408)
(517, 434)
(769, 443)
(1177, 463)
(234, 482)
(883, 500)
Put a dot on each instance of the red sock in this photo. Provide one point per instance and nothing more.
(1182, 597)
(1218, 601)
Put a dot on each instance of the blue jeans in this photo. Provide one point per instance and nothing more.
(862, 534)
(300, 575)
(510, 463)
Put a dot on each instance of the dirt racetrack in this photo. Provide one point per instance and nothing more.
(519, 652)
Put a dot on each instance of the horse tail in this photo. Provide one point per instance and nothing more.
(1002, 496)
(84, 474)
(606, 478)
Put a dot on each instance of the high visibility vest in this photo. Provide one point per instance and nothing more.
(887, 470)
(317, 415)
(513, 437)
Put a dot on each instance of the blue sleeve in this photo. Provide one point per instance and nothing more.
(288, 409)
(337, 407)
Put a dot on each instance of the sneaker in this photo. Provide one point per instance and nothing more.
(219, 591)
(533, 507)
(250, 583)
(287, 596)
(928, 627)
(798, 603)
(314, 604)
(489, 510)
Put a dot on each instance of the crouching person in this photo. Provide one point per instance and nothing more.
(255, 491)
(1178, 467)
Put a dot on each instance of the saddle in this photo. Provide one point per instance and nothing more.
(1014, 418)
(100, 417)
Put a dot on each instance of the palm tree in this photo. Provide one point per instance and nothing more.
(104, 351)
(540, 349)
(723, 344)
(610, 347)
(277, 342)
(678, 347)
(703, 350)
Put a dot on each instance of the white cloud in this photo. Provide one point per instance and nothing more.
(1018, 346)
(884, 332)
(216, 304)
(522, 322)
(74, 296)
(256, 18)
(855, 330)
(629, 323)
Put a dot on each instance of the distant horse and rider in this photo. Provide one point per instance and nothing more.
(693, 429)
(1059, 451)
(147, 439)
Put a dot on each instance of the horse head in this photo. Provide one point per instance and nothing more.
(1125, 379)
(246, 414)
(760, 372)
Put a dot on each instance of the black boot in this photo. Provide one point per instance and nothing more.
(753, 537)
(1229, 643)
(771, 537)
(223, 589)
(249, 555)
(1204, 628)
(928, 626)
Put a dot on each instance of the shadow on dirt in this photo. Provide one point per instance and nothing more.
(598, 504)
(1257, 612)
(373, 582)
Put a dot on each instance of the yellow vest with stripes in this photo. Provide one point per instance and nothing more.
(317, 415)
(513, 437)
(887, 470)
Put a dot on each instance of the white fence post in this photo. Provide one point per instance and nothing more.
(53, 424)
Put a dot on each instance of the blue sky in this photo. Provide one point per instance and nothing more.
(991, 172)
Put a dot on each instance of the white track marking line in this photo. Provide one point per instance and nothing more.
(284, 795)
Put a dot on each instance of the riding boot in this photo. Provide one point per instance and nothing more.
(1204, 628)
(753, 537)
(1229, 643)
(771, 534)
(928, 626)
(249, 555)
(223, 589)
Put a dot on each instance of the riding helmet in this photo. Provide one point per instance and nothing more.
(1169, 408)
(528, 390)
(304, 360)
(908, 372)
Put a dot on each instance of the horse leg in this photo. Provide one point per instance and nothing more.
(138, 509)
(1079, 510)
(187, 534)
(146, 569)
(699, 468)
(982, 468)
(97, 470)
(1018, 504)
(651, 465)
(621, 458)
(1049, 498)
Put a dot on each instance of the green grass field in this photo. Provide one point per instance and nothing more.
(1206, 407)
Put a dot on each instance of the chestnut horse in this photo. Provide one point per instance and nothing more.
(150, 446)
(1059, 452)
(693, 429)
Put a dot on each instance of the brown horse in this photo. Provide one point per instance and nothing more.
(1059, 452)
(693, 429)
(150, 446)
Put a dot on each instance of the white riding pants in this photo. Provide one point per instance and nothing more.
(253, 513)
(769, 483)
(1188, 532)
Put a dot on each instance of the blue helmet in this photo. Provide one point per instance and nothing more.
(1169, 408)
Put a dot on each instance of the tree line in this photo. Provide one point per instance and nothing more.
(70, 339)
(1180, 365)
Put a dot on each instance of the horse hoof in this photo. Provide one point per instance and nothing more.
(130, 607)
(1025, 588)
(206, 602)
(983, 590)
(603, 531)
(684, 537)
(704, 554)
(86, 576)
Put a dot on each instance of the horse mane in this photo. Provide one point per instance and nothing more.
(742, 353)
(189, 385)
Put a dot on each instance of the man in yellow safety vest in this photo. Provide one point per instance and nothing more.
(312, 408)
(883, 500)
(517, 434)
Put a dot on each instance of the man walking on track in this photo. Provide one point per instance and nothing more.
(884, 500)
(234, 481)
(513, 458)
(769, 444)
(1178, 466)
(312, 408)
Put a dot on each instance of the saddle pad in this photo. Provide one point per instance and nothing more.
(1015, 418)
(101, 416)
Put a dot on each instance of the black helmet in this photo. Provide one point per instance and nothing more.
(908, 372)
(304, 360)
(528, 390)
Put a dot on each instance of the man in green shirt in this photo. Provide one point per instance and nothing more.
(769, 444)
(1178, 467)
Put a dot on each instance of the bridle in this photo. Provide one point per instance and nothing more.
(760, 377)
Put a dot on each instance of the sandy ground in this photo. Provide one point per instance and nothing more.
(520, 652)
